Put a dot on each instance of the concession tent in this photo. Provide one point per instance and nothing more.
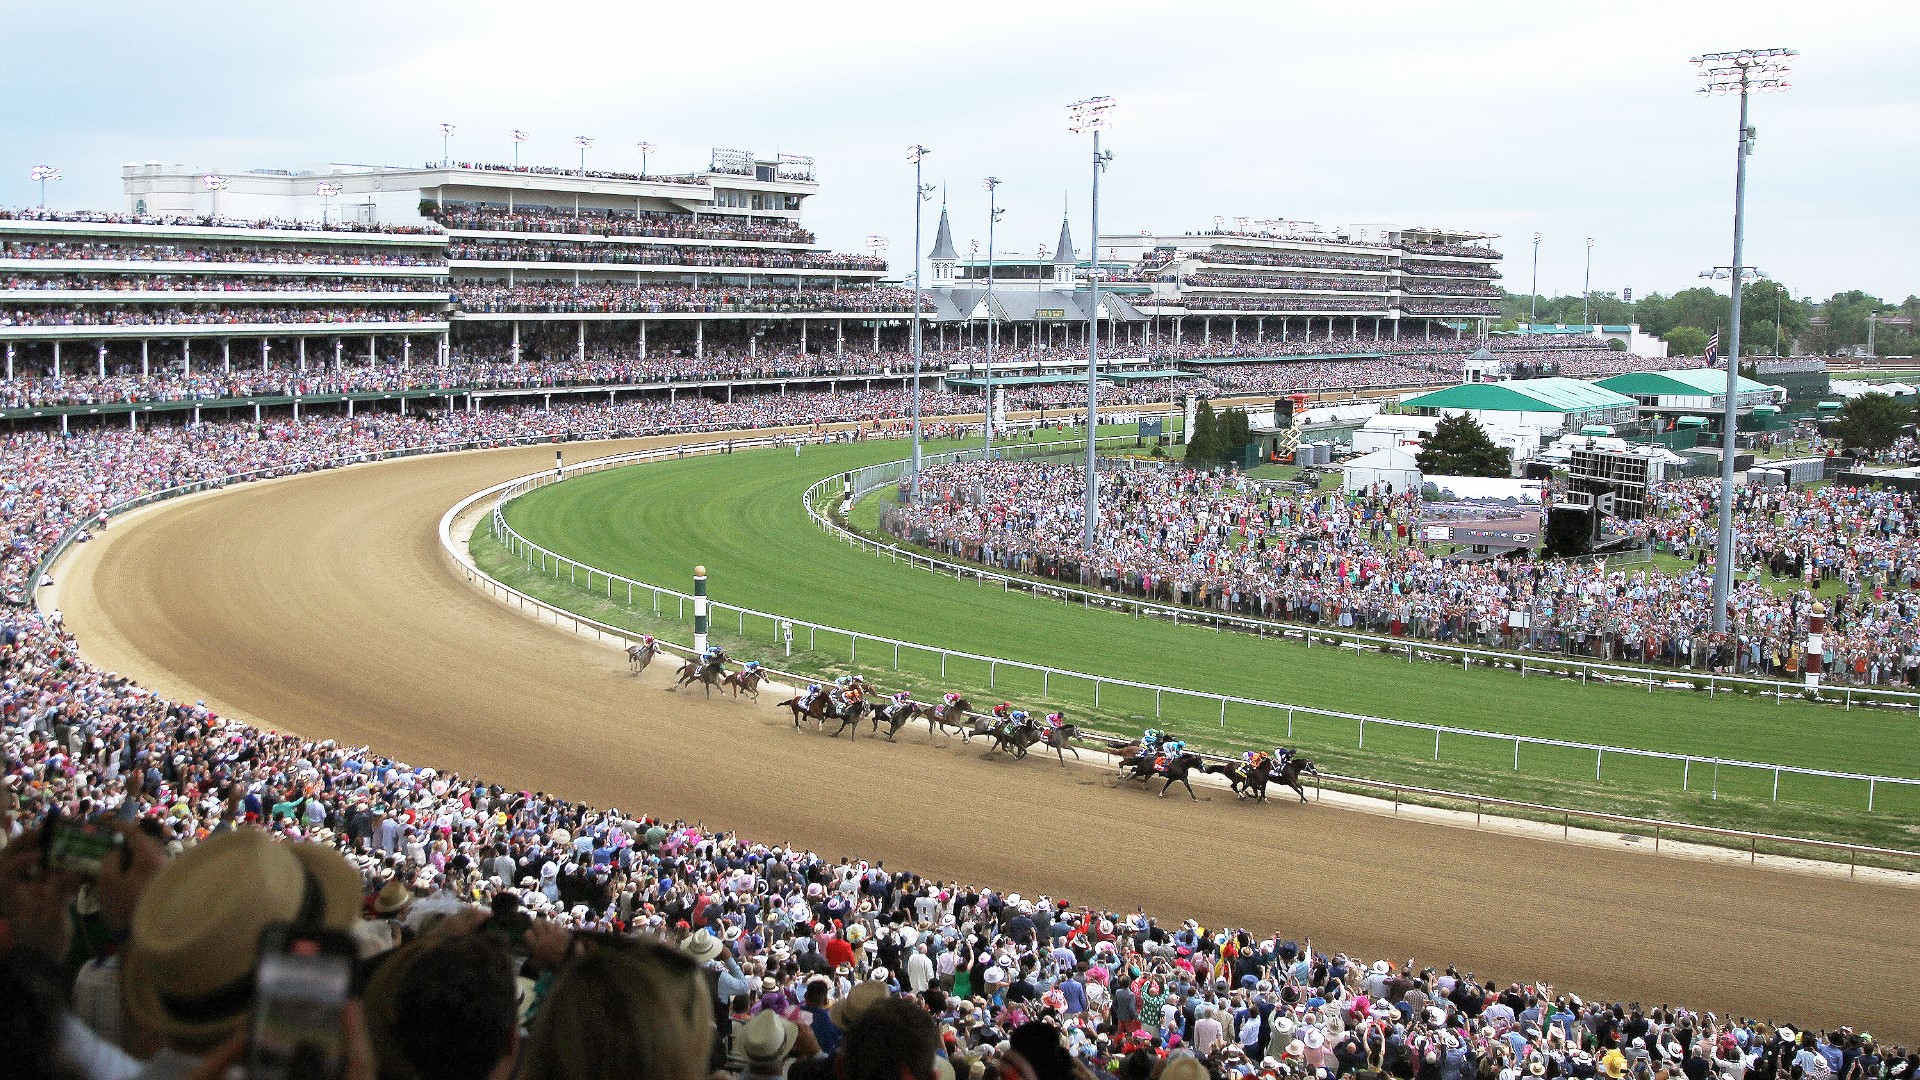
(1383, 467)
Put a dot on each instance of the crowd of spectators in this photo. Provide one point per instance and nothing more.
(1447, 269)
(104, 217)
(80, 250)
(1430, 287)
(1208, 302)
(499, 931)
(1471, 251)
(477, 296)
(216, 283)
(213, 315)
(464, 248)
(1353, 561)
(591, 174)
(548, 219)
(1232, 256)
(1281, 281)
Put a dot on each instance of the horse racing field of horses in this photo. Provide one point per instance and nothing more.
(741, 516)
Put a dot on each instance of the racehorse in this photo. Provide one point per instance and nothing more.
(895, 714)
(639, 656)
(708, 675)
(1126, 752)
(1176, 770)
(822, 709)
(1254, 781)
(1016, 738)
(744, 681)
(954, 716)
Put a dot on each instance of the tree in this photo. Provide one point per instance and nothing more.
(1872, 421)
(1459, 446)
(1686, 341)
(1235, 434)
(1203, 449)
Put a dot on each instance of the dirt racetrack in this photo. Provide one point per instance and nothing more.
(325, 606)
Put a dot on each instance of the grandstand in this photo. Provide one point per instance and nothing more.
(1289, 281)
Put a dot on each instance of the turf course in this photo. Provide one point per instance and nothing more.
(741, 516)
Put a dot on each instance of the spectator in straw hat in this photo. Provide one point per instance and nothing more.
(767, 1044)
(189, 969)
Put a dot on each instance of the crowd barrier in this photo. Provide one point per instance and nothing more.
(667, 602)
(1659, 830)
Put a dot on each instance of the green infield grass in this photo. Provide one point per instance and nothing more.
(741, 516)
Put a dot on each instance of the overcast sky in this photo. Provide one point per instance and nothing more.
(1502, 117)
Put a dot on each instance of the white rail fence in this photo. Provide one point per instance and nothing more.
(1191, 706)
(1526, 663)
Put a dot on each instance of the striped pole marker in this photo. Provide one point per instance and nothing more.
(1816, 644)
(699, 609)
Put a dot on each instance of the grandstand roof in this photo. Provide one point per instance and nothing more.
(1697, 382)
(1524, 395)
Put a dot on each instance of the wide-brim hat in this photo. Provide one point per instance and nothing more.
(702, 946)
(768, 1037)
(1381, 967)
(189, 965)
(858, 1000)
(393, 896)
(1314, 1038)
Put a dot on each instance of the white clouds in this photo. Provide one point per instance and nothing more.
(1508, 116)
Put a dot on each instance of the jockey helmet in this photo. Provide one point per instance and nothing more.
(1054, 717)
(646, 639)
(1152, 733)
(951, 697)
(1019, 714)
(814, 689)
(902, 696)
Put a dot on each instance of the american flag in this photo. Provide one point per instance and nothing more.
(1713, 349)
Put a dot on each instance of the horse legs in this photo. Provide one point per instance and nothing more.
(1189, 787)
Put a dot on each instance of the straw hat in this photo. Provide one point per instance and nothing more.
(768, 1038)
(702, 946)
(393, 897)
(858, 1000)
(189, 963)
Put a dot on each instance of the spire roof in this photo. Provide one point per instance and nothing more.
(1063, 255)
(943, 241)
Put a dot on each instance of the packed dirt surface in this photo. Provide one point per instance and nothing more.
(324, 605)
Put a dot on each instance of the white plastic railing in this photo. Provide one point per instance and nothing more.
(548, 561)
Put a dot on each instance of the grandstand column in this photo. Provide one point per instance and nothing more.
(373, 350)
(300, 345)
(1233, 330)
(876, 335)
(9, 360)
(1283, 330)
(803, 337)
(339, 348)
(56, 358)
(1356, 328)
(1816, 644)
(144, 367)
(839, 337)
(643, 339)
(446, 355)
(406, 354)
(699, 339)
(266, 350)
(1259, 330)
(1396, 329)
(515, 351)
(581, 347)
(101, 356)
(186, 356)
(699, 609)
(226, 356)
(1206, 330)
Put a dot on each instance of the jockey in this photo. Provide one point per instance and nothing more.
(715, 657)
(646, 641)
(1280, 756)
(1171, 749)
(1018, 717)
(1151, 740)
(1254, 759)
(901, 699)
(1055, 721)
(951, 698)
(1003, 710)
(813, 693)
(753, 667)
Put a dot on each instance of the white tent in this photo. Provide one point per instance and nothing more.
(1383, 467)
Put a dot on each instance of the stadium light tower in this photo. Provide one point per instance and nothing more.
(1090, 115)
(1586, 288)
(992, 184)
(1533, 305)
(446, 136)
(921, 193)
(42, 174)
(1040, 272)
(518, 137)
(1743, 72)
(645, 149)
(584, 142)
(328, 191)
(215, 183)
